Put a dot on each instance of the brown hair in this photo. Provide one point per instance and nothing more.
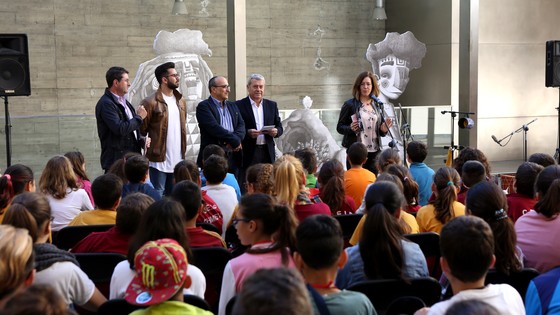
(446, 180)
(38, 299)
(358, 82)
(386, 158)
(186, 170)
(468, 154)
(77, 160)
(261, 176)
(331, 178)
(275, 219)
(382, 234)
(487, 201)
(410, 187)
(548, 188)
(57, 177)
(14, 184)
(30, 211)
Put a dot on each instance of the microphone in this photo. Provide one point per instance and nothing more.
(376, 100)
(495, 139)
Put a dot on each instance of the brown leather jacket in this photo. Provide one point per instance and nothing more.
(155, 124)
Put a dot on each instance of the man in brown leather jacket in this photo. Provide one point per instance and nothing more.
(165, 125)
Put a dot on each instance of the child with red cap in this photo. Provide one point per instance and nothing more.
(161, 275)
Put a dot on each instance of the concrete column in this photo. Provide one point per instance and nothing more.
(237, 48)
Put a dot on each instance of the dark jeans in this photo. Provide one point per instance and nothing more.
(163, 182)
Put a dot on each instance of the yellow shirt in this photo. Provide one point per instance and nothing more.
(356, 181)
(427, 221)
(97, 216)
(406, 217)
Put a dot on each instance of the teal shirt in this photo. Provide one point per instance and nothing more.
(347, 303)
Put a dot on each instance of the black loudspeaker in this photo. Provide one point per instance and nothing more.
(552, 63)
(14, 65)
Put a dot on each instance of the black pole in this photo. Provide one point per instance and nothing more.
(8, 129)
(525, 129)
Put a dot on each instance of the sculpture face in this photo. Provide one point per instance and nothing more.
(393, 76)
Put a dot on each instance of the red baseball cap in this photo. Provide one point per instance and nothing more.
(161, 271)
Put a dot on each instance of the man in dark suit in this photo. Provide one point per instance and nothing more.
(262, 122)
(118, 125)
(221, 123)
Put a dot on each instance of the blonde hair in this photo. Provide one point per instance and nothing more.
(289, 177)
(16, 250)
(57, 177)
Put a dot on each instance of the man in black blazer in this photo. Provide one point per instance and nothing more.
(262, 122)
(221, 123)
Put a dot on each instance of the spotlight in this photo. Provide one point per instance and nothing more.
(466, 123)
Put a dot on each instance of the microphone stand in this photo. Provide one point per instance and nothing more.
(381, 110)
(525, 128)
(453, 147)
(405, 130)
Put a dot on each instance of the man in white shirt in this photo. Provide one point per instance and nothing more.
(262, 122)
(165, 124)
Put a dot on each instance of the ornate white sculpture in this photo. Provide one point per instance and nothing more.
(303, 129)
(391, 60)
(185, 48)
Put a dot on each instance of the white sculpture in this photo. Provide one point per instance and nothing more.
(185, 48)
(303, 129)
(391, 60)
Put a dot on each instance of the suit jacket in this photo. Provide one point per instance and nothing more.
(271, 117)
(115, 130)
(212, 132)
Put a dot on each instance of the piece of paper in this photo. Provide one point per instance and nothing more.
(267, 128)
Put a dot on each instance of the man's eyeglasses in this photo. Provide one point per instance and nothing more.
(176, 75)
(223, 86)
(237, 220)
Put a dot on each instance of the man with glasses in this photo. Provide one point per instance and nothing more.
(165, 125)
(221, 123)
(118, 124)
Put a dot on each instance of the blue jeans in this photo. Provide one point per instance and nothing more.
(163, 182)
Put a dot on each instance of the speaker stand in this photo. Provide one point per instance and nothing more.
(8, 130)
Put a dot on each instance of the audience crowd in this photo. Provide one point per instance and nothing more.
(286, 231)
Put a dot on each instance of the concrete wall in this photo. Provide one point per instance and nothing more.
(511, 67)
(73, 43)
(497, 67)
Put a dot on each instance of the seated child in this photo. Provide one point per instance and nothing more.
(188, 194)
(308, 158)
(523, 199)
(318, 256)
(357, 178)
(230, 179)
(472, 173)
(106, 190)
(136, 170)
(117, 238)
(215, 169)
(467, 249)
(161, 275)
(423, 175)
